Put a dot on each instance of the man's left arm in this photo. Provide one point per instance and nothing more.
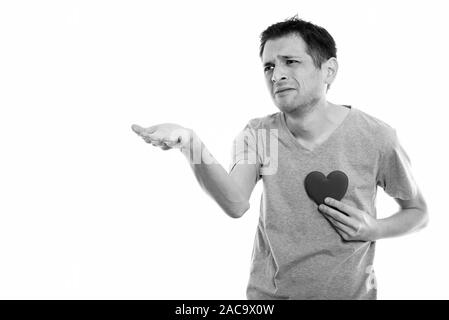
(411, 217)
(395, 176)
(356, 225)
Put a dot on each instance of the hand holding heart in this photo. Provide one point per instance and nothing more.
(351, 223)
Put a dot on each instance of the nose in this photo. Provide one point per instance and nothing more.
(278, 74)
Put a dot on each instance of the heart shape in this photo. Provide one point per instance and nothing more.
(318, 187)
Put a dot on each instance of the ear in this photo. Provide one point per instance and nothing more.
(330, 68)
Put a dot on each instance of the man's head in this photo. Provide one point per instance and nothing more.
(298, 56)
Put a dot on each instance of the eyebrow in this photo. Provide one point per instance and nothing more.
(283, 57)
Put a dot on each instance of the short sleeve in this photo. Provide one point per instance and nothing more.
(244, 149)
(395, 172)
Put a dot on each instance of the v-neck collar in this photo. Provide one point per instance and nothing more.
(322, 144)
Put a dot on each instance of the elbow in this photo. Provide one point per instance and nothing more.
(424, 218)
(238, 211)
(422, 207)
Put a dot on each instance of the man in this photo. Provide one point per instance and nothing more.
(307, 247)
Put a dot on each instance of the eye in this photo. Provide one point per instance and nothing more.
(292, 61)
(267, 68)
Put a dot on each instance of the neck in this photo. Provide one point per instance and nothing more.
(308, 122)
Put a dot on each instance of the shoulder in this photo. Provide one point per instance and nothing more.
(372, 123)
(266, 122)
(260, 128)
(381, 133)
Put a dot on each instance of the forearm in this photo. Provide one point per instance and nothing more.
(214, 179)
(403, 222)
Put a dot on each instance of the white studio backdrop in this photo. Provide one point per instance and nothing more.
(89, 211)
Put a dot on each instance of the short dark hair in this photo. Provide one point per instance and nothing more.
(320, 44)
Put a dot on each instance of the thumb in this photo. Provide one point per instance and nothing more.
(143, 131)
(137, 129)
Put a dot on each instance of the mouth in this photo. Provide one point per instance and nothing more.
(283, 91)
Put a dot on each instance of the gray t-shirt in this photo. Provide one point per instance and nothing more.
(297, 253)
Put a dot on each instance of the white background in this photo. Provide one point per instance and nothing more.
(89, 211)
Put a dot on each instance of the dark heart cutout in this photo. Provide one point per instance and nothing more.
(318, 187)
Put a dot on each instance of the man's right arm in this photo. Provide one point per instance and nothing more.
(231, 191)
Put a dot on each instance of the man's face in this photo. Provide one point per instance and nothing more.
(292, 79)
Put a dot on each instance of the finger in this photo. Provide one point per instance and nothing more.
(340, 226)
(153, 142)
(137, 129)
(337, 215)
(341, 206)
(165, 147)
(147, 139)
(152, 137)
(156, 143)
(172, 142)
(156, 136)
(143, 131)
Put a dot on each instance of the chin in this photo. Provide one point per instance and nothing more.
(286, 107)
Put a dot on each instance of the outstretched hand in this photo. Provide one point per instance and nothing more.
(351, 223)
(166, 135)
